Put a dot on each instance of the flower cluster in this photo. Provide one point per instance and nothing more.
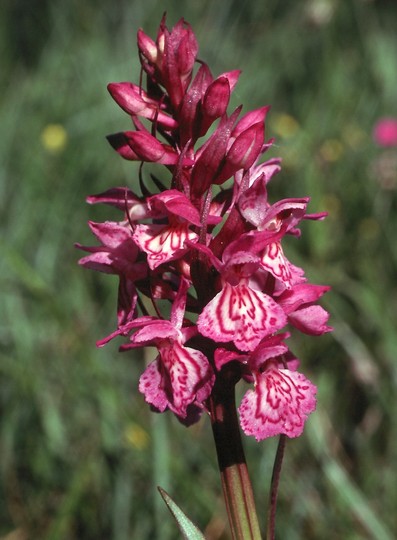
(205, 251)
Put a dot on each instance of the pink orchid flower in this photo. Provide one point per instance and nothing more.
(199, 250)
(385, 132)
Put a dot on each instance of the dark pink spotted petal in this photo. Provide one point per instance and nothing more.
(157, 330)
(253, 202)
(214, 103)
(123, 199)
(232, 77)
(242, 315)
(211, 155)
(147, 47)
(189, 374)
(111, 234)
(151, 386)
(246, 147)
(180, 50)
(280, 404)
(124, 330)
(274, 261)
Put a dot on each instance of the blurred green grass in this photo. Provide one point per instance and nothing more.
(80, 452)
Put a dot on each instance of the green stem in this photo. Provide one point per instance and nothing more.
(237, 489)
(271, 517)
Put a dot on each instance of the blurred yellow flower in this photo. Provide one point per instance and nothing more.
(285, 125)
(331, 150)
(331, 204)
(54, 138)
(136, 436)
(292, 157)
(354, 136)
(369, 228)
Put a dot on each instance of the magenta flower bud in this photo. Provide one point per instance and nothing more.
(249, 119)
(180, 51)
(187, 48)
(244, 151)
(212, 155)
(232, 77)
(190, 115)
(148, 148)
(246, 148)
(135, 101)
(119, 141)
(216, 99)
(147, 47)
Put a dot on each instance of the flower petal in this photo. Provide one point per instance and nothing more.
(274, 261)
(242, 315)
(178, 377)
(148, 148)
(190, 375)
(311, 320)
(174, 202)
(156, 330)
(301, 294)
(280, 404)
(163, 243)
(150, 385)
(135, 101)
(126, 301)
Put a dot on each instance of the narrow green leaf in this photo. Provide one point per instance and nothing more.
(187, 528)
